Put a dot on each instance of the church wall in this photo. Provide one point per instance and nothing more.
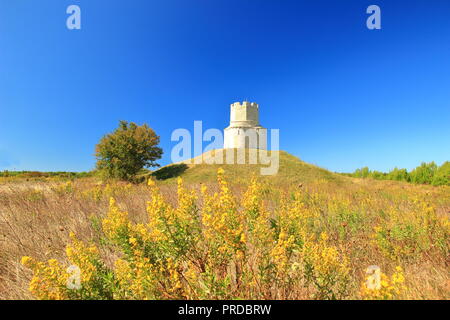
(244, 130)
(254, 138)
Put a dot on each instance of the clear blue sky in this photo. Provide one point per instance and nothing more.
(342, 96)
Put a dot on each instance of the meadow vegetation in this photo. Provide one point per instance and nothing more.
(42, 175)
(226, 239)
(426, 173)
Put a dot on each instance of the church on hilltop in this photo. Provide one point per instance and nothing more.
(244, 130)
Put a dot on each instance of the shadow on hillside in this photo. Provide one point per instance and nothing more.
(170, 171)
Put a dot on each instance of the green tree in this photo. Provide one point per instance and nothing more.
(365, 172)
(378, 175)
(399, 175)
(442, 175)
(362, 173)
(126, 151)
(424, 173)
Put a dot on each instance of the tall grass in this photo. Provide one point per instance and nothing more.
(221, 240)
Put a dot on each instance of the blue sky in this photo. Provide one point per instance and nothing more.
(342, 96)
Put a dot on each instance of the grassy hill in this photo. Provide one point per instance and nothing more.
(292, 170)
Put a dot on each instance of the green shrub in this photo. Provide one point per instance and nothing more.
(399, 175)
(442, 175)
(424, 173)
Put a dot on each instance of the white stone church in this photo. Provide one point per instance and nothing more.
(244, 130)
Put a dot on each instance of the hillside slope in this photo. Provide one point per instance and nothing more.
(291, 170)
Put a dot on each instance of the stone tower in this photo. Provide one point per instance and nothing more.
(244, 130)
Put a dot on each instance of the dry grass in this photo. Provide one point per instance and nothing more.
(36, 218)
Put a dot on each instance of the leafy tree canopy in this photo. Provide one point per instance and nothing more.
(126, 151)
(442, 175)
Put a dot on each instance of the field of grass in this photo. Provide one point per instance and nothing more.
(304, 234)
